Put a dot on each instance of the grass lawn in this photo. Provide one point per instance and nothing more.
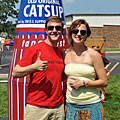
(3, 99)
(112, 49)
(111, 110)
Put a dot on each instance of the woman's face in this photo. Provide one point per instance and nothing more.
(79, 34)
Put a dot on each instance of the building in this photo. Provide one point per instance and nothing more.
(104, 25)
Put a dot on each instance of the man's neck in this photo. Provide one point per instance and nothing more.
(53, 44)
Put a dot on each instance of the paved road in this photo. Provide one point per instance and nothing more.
(3, 118)
(6, 59)
(115, 60)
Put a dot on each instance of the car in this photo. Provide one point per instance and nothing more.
(11, 43)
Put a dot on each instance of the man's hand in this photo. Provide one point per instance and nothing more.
(39, 64)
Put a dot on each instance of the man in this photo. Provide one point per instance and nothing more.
(3, 39)
(1, 50)
(44, 63)
(106, 62)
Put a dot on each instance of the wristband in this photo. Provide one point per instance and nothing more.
(83, 83)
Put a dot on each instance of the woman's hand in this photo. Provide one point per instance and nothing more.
(75, 83)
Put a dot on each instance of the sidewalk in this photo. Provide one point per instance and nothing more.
(3, 76)
(112, 53)
(107, 52)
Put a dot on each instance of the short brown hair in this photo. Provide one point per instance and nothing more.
(55, 19)
(75, 24)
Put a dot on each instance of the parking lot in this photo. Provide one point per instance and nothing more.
(114, 57)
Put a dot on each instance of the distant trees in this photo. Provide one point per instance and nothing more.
(8, 9)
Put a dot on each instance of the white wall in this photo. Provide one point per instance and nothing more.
(98, 20)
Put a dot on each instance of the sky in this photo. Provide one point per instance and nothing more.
(90, 6)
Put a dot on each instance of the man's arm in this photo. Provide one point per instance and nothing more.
(20, 71)
(2, 48)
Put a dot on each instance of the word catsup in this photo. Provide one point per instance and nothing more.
(37, 11)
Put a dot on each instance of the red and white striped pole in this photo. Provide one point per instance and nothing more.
(29, 31)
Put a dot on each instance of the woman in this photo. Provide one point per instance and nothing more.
(7, 41)
(82, 64)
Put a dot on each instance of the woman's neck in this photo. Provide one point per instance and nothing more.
(79, 48)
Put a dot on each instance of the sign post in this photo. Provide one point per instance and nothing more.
(30, 30)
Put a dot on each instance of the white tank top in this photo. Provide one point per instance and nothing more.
(83, 95)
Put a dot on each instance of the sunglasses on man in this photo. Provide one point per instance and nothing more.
(82, 32)
(58, 28)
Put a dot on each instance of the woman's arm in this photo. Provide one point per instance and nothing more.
(100, 71)
(97, 62)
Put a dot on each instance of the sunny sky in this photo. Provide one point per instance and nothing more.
(91, 6)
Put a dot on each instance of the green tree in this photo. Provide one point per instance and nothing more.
(8, 9)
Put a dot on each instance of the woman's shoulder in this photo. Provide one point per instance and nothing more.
(93, 52)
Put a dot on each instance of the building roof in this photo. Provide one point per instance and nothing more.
(105, 14)
(95, 20)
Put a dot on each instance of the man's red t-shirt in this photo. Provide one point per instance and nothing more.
(45, 87)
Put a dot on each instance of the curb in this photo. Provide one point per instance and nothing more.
(112, 51)
(3, 76)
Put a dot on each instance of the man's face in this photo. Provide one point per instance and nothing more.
(54, 31)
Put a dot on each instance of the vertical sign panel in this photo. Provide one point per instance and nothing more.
(30, 30)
